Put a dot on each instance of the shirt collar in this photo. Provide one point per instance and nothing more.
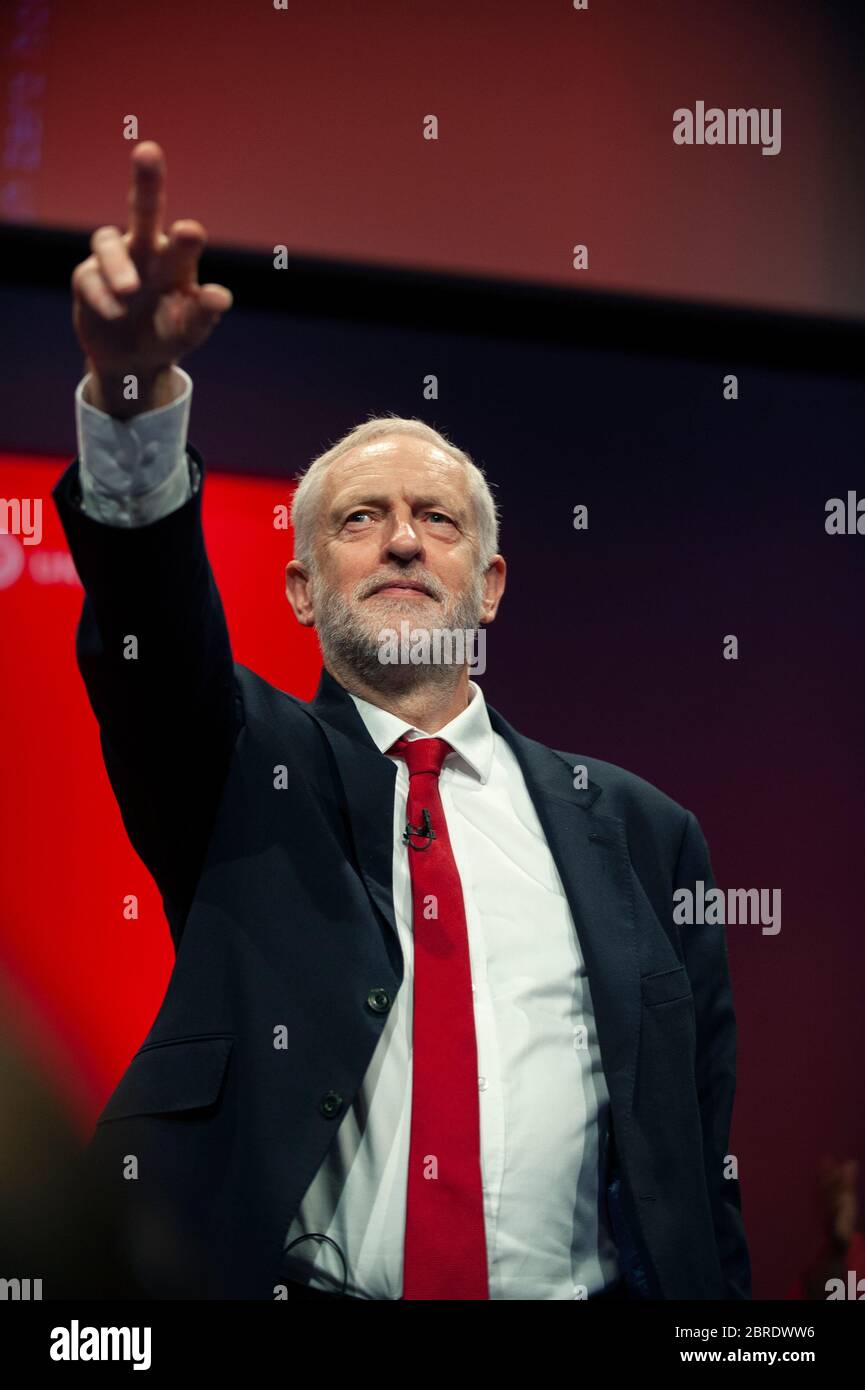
(469, 733)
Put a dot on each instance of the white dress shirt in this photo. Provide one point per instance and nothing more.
(544, 1104)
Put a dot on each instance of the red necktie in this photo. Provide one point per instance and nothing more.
(445, 1253)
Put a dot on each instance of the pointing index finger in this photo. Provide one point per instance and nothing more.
(147, 195)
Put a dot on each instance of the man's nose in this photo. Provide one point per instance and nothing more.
(404, 541)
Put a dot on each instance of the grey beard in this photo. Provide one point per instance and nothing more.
(349, 646)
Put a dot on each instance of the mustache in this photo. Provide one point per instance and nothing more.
(426, 581)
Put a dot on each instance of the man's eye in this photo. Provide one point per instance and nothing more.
(439, 517)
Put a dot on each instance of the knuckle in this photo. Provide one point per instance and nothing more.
(101, 234)
(91, 291)
(80, 272)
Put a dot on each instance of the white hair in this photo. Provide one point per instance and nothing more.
(306, 502)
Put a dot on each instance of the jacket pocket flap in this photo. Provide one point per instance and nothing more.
(164, 1077)
(666, 986)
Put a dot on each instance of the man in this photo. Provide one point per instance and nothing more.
(432, 1032)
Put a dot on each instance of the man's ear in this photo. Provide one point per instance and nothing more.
(494, 588)
(298, 585)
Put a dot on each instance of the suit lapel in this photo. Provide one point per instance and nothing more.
(591, 854)
(589, 849)
(368, 779)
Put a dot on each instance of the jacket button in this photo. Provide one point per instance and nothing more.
(378, 1000)
(331, 1102)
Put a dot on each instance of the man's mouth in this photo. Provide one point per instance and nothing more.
(403, 587)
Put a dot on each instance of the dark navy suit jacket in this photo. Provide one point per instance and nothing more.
(280, 907)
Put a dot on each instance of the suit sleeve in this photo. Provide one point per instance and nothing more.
(705, 955)
(153, 648)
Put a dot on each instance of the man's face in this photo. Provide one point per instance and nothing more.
(397, 540)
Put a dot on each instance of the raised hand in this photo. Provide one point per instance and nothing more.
(137, 305)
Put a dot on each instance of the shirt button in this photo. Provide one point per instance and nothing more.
(482, 1083)
(330, 1104)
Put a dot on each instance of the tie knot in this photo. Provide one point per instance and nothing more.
(421, 754)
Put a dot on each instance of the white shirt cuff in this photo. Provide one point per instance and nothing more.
(133, 471)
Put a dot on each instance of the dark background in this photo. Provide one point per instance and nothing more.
(706, 516)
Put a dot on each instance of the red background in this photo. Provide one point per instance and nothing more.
(66, 864)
